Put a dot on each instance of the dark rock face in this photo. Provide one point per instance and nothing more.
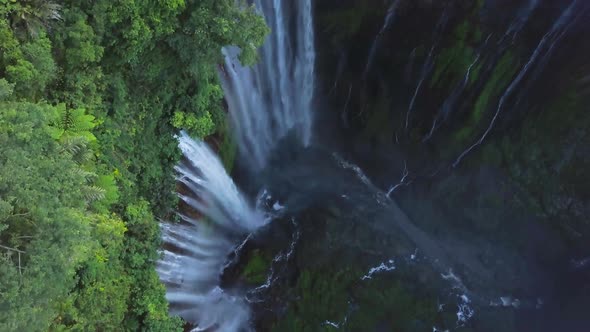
(456, 84)
(489, 145)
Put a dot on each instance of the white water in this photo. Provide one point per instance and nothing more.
(543, 51)
(402, 182)
(357, 170)
(197, 248)
(266, 103)
(273, 98)
(274, 273)
(383, 267)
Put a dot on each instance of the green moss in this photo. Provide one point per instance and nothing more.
(463, 133)
(453, 63)
(323, 295)
(461, 30)
(503, 72)
(327, 295)
(257, 267)
(475, 71)
(385, 303)
(228, 149)
(477, 35)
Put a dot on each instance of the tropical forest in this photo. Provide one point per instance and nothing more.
(295, 165)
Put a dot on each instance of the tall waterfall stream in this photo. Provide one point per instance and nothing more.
(288, 171)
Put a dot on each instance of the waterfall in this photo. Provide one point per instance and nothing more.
(428, 63)
(410, 65)
(425, 71)
(543, 51)
(450, 101)
(522, 18)
(268, 101)
(388, 20)
(195, 252)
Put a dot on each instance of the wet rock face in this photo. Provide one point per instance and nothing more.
(456, 83)
(469, 255)
(452, 203)
(346, 255)
(497, 217)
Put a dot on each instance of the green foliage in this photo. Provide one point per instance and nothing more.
(28, 65)
(73, 123)
(228, 149)
(200, 127)
(78, 52)
(92, 94)
(257, 267)
(42, 216)
(38, 53)
(147, 306)
(100, 299)
(111, 191)
(6, 89)
(30, 18)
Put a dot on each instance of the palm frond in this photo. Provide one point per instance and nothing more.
(88, 176)
(93, 193)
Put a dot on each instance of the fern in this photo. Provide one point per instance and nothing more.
(73, 123)
(93, 193)
(111, 194)
(73, 145)
(77, 148)
(86, 175)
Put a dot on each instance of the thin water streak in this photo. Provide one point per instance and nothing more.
(553, 36)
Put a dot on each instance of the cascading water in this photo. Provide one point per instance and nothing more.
(543, 51)
(520, 21)
(266, 103)
(451, 100)
(216, 216)
(428, 64)
(274, 97)
(388, 20)
(336, 216)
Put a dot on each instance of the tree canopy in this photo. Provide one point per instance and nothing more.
(92, 94)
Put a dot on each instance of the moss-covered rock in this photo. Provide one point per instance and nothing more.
(327, 300)
(257, 267)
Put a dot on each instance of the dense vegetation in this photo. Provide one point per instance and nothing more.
(91, 96)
